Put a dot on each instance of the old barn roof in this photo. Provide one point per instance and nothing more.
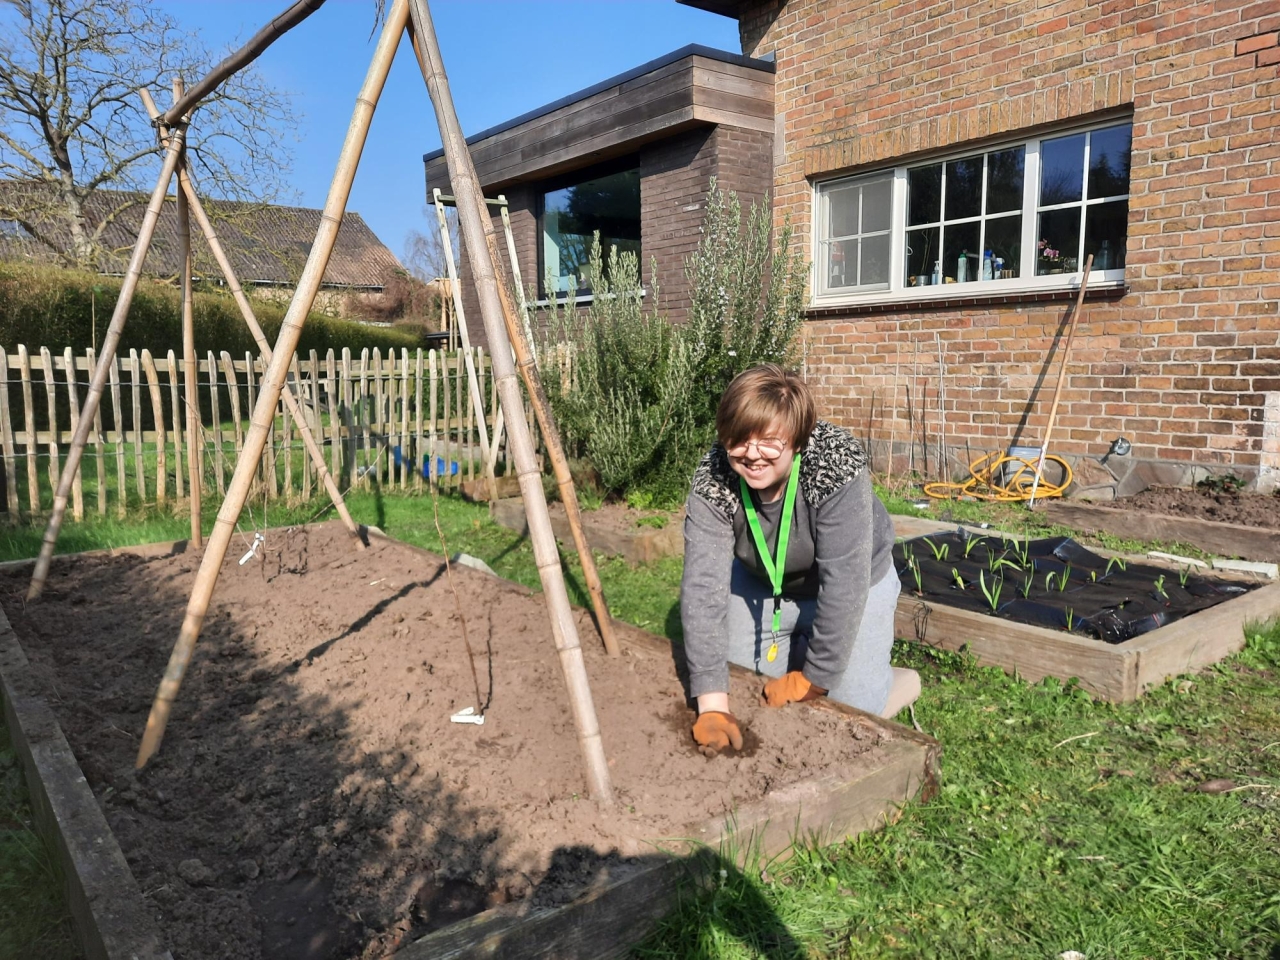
(267, 244)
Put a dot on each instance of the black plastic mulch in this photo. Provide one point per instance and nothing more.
(1054, 583)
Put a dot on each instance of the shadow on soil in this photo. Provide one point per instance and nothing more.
(268, 826)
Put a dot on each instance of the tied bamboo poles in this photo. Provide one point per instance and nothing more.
(187, 192)
(273, 379)
(106, 361)
(471, 214)
(189, 367)
(292, 16)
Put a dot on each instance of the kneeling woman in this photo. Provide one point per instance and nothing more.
(788, 565)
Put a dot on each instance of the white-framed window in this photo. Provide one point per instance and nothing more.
(1019, 216)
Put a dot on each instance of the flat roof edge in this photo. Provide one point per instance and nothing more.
(692, 50)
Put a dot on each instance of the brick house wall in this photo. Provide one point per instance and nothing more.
(1185, 361)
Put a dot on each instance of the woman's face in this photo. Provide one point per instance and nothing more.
(764, 460)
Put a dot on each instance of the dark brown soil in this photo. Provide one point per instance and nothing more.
(621, 518)
(1249, 509)
(312, 799)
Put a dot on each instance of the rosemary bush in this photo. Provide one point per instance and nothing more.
(637, 395)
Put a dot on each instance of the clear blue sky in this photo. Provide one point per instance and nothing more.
(503, 57)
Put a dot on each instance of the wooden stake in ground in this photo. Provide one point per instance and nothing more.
(190, 370)
(273, 379)
(1062, 376)
(187, 192)
(106, 363)
(471, 215)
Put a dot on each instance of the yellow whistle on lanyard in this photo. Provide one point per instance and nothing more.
(772, 653)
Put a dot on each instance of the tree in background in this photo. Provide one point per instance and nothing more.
(72, 128)
(424, 255)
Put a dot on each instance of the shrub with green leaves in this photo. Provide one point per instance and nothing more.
(638, 394)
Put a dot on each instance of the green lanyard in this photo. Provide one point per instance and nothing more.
(774, 567)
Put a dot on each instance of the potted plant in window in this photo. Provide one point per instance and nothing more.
(1050, 258)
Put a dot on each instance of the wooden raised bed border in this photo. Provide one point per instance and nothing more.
(1117, 672)
(113, 921)
(1223, 539)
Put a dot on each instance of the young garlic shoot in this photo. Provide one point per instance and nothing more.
(955, 575)
(1025, 588)
(992, 593)
(1184, 575)
(969, 544)
(1160, 586)
(1114, 562)
(1071, 619)
(1066, 576)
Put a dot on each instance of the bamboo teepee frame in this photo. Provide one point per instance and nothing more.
(176, 124)
(273, 384)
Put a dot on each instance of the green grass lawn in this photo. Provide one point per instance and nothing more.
(1062, 823)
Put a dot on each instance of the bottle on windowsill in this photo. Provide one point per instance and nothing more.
(962, 267)
(987, 266)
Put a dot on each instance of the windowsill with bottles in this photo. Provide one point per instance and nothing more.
(1058, 282)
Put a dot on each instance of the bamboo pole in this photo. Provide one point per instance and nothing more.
(109, 343)
(471, 214)
(1062, 377)
(190, 367)
(528, 368)
(273, 380)
(157, 414)
(241, 58)
(175, 406)
(98, 440)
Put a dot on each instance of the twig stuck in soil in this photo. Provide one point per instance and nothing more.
(1079, 736)
(457, 601)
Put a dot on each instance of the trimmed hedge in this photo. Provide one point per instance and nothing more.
(53, 307)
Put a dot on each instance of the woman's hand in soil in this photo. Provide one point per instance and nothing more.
(715, 730)
(791, 688)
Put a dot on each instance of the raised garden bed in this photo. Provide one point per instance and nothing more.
(313, 800)
(639, 536)
(1217, 521)
(1052, 608)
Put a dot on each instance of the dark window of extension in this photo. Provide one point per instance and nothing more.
(569, 216)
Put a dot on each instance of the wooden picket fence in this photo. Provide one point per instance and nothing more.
(399, 420)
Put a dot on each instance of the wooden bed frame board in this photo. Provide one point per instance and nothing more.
(1117, 672)
(113, 921)
(1223, 539)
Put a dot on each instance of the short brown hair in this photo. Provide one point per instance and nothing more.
(757, 397)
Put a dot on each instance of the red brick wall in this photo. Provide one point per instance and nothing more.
(1183, 362)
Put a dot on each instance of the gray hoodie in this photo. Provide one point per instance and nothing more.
(841, 543)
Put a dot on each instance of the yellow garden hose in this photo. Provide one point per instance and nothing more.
(1002, 478)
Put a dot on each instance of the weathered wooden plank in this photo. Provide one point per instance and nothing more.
(347, 388)
(135, 398)
(215, 406)
(365, 414)
(51, 406)
(90, 366)
(29, 421)
(73, 401)
(157, 414)
(417, 420)
(1029, 651)
(1224, 539)
(6, 440)
(117, 416)
(434, 388)
(175, 406)
(1201, 639)
(335, 422)
(406, 452)
(233, 389)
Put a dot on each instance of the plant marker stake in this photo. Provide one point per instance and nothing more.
(1062, 376)
(273, 380)
(472, 212)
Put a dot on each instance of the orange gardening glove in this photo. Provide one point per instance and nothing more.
(714, 731)
(791, 688)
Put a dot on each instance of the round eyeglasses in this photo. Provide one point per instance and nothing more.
(770, 448)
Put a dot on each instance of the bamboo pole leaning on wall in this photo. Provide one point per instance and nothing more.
(471, 214)
(273, 380)
(109, 343)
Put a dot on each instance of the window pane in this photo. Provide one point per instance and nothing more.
(922, 253)
(843, 215)
(924, 195)
(964, 188)
(875, 260)
(1059, 241)
(1105, 230)
(1004, 240)
(1109, 152)
(1061, 169)
(961, 258)
(877, 200)
(842, 263)
(1004, 180)
(572, 216)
